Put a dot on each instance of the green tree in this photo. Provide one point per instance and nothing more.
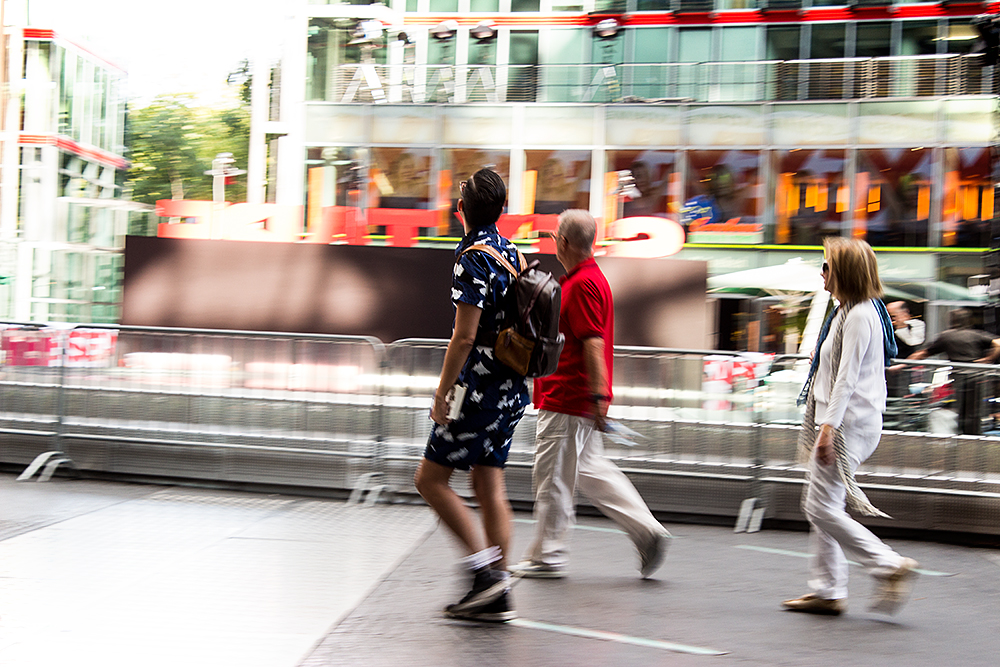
(172, 142)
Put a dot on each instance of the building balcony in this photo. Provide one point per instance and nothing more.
(754, 81)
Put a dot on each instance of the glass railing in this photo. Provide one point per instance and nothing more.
(752, 81)
(708, 429)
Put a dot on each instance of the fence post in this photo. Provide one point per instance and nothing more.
(55, 457)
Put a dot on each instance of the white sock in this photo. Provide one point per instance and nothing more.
(484, 558)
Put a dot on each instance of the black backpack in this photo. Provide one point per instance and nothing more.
(530, 341)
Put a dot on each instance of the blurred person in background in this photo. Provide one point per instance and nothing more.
(496, 396)
(845, 396)
(963, 344)
(572, 409)
(909, 333)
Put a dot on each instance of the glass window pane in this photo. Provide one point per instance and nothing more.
(653, 5)
(562, 77)
(652, 45)
(565, 47)
(608, 50)
(440, 51)
(872, 40)
(523, 78)
(739, 44)
(337, 184)
(811, 196)
(961, 36)
(402, 177)
(320, 56)
(482, 51)
(892, 196)
(460, 164)
(478, 6)
(968, 198)
(656, 178)
(524, 5)
(447, 6)
(556, 180)
(66, 84)
(695, 45)
(782, 43)
(827, 41)
(919, 38)
(723, 188)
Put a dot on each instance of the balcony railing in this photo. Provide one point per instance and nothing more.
(753, 81)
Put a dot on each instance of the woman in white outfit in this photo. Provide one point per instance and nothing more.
(845, 398)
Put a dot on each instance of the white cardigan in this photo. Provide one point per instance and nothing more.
(858, 396)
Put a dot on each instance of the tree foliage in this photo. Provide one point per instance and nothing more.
(172, 142)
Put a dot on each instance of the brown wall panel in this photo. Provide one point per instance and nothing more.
(389, 293)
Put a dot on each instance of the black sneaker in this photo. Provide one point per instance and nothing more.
(499, 610)
(487, 586)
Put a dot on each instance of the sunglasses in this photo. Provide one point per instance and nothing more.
(825, 268)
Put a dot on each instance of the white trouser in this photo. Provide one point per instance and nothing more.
(569, 451)
(833, 529)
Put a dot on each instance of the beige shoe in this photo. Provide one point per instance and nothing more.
(812, 604)
(894, 590)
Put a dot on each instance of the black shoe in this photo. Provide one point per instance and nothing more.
(487, 586)
(499, 610)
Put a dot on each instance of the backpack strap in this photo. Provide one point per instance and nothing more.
(495, 254)
(489, 338)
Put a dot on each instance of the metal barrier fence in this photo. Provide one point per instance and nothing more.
(751, 81)
(717, 430)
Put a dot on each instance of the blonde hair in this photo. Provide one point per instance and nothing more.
(853, 269)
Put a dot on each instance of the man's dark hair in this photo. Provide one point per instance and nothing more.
(960, 318)
(483, 197)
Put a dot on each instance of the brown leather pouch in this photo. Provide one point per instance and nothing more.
(514, 350)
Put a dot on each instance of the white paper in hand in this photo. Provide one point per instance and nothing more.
(456, 396)
(620, 434)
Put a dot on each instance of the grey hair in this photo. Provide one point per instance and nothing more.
(579, 228)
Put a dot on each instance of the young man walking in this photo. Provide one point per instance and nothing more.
(478, 439)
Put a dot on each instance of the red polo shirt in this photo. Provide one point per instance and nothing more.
(587, 309)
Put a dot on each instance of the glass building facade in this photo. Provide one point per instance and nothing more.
(62, 235)
(761, 126)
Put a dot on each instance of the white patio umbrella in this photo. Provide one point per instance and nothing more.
(796, 276)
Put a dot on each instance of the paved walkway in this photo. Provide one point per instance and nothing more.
(112, 574)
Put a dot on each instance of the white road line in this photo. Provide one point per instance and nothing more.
(799, 554)
(614, 637)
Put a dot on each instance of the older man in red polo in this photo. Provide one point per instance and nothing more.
(572, 409)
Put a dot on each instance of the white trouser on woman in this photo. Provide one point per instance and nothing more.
(569, 452)
(833, 529)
